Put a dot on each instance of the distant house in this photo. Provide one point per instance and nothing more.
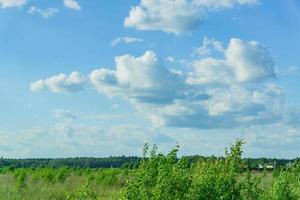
(266, 166)
(269, 167)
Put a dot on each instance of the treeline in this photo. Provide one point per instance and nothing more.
(128, 162)
(83, 162)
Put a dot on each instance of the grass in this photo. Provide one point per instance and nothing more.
(105, 184)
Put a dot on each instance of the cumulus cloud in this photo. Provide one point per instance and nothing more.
(175, 16)
(234, 89)
(243, 62)
(12, 3)
(210, 71)
(125, 40)
(72, 4)
(208, 46)
(251, 61)
(169, 16)
(141, 79)
(217, 93)
(60, 83)
(49, 12)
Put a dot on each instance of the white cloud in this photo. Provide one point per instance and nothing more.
(171, 59)
(170, 16)
(72, 4)
(243, 62)
(251, 61)
(211, 71)
(49, 12)
(125, 40)
(208, 46)
(141, 79)
(60, 83)
(217, 93)
(233, 91)
(12, 3)
(175, 16)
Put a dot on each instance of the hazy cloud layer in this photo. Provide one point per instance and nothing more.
(74, 138)
(222, 4)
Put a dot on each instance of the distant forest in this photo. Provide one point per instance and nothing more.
(128, 162)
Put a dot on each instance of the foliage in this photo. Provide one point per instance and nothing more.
(83, 194)
(164, 177)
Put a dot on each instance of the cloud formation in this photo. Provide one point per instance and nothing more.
(72, 4)
(169, 16)
(208, 46)
(231, 90)
(175, 16)
(251, 61)
(141, 79)
(12, 3)
(223, 92)
(48, 12)
(60, 83)
(125, 40)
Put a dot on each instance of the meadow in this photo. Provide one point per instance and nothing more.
(157, 177)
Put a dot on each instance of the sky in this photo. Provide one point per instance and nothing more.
(101, 78)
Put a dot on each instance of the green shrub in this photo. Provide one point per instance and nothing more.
(283, 188)
(83, 194)
(159, 177)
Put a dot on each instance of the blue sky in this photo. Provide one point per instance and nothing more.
(99, 78)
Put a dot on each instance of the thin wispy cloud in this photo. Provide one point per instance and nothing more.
(125, 40)
(45, 13)
(12, 3)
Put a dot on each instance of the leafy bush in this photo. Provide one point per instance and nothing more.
(283, 189)
(166, 177)
(83, 194)
(159, 177)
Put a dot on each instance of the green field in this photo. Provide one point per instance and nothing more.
(104, 184)
(158, 177)
(60, 183)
